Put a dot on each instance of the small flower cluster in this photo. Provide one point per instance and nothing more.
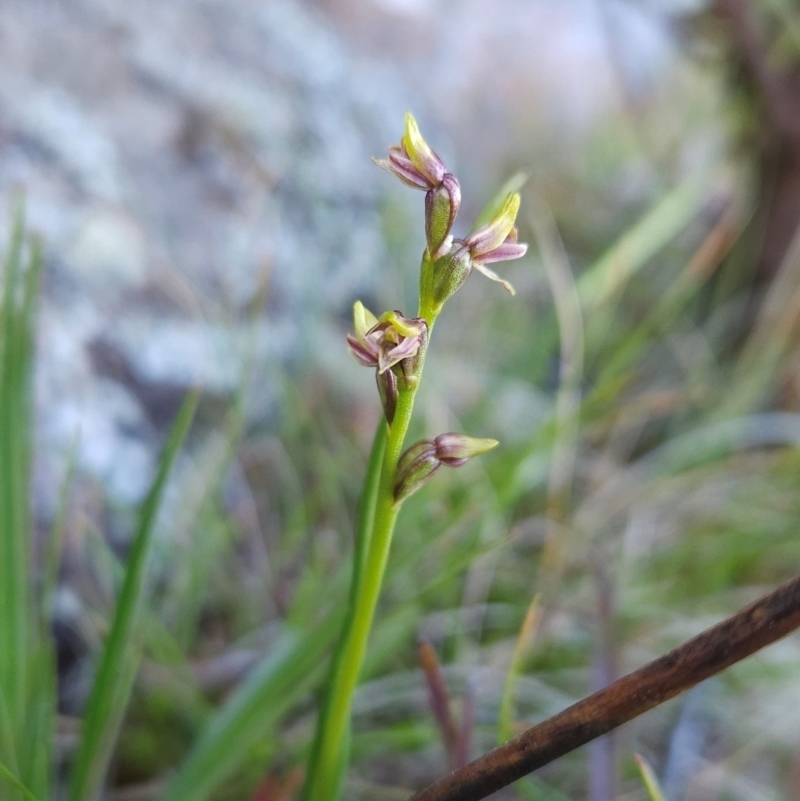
(395, 345)
(418, 166)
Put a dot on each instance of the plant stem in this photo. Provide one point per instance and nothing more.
(329, 754)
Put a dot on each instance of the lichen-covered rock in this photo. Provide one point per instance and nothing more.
(200, 172)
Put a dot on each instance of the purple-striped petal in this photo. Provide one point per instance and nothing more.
(361, 352)
(388, 358)
(505, 252)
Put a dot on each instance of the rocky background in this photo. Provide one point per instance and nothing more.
(199, 171)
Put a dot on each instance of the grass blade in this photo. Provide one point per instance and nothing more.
(12, 780)
(117, 669)
(640, 243)
(293, 666)
(525, 638)
(288, 672)
(649, 779)
(27, 671)
(14, 561)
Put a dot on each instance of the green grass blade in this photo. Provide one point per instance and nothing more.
(649, 779)
(115, 674)
(513, 184)
(37, 747)
(640, 243)
(14, 782)
(525, 638)
(27, 675)
(14, 563)
(293, 666)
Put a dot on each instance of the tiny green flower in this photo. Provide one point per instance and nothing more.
(388, 341)
(488, 237)
(495, 241)
(415, 163)
(420, 152)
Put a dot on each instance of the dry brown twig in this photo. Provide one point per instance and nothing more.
(754, 627)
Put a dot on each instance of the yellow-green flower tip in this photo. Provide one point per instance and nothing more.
(363, 319)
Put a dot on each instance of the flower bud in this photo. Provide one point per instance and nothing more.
(387, 389)
(441, 207)
(449, 273)
(414, 468)
(425, 457)
(454, 449)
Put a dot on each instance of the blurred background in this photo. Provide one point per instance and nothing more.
(200, 173)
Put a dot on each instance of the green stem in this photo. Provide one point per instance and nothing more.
(329, 756)
(326, 766)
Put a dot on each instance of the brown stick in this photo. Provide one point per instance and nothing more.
(761, 623)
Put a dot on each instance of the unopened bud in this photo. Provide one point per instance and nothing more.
(441, 207)
(387, 389)
(454, 449)
(449, 273)
(425, 457)
(414, 468)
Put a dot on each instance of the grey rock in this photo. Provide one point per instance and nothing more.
(182, 160)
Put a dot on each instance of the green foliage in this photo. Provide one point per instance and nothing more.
(27, 664)
(117, 669)
(27, 670)
(675, 437)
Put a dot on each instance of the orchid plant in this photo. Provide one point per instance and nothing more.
(395, 347)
